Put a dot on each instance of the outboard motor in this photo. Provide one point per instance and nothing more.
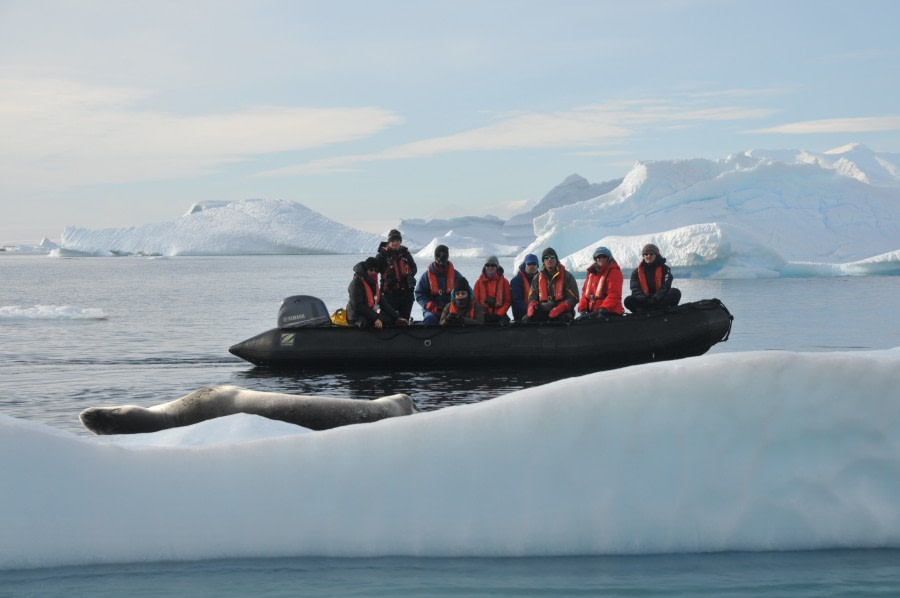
(300, 311)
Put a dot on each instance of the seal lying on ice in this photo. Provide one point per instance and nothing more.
(315, 413)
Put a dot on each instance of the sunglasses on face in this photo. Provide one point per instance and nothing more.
(549, 257)
(602, 257)
(490, 266)
(646, 254)
(531, 264)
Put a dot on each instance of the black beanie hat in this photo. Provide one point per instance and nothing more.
(394, 234)
(549, 252)
(441, 249)
(371, 263)
(461, 284)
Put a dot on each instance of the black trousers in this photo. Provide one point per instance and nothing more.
(401, 300)
(670, 299)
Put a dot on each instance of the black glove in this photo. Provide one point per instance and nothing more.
(489, 301)
(547, 306)
(602, 313)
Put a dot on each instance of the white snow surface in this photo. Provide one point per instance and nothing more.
(734, 451)
(248, 227)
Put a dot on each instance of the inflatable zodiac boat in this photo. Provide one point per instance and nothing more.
(305, 337)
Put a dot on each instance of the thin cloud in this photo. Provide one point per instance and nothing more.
(591, 125)
(60, 133)
(836, 125)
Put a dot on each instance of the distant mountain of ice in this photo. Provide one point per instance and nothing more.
(418, 233)
(575, 188)
(757, 213)
(45, 245)
(753, 214)
(489, 235)
(248, 227)
(465, 246)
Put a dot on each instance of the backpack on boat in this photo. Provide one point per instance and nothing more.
(339, 317)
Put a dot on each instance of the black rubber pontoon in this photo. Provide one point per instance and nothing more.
(684, 331)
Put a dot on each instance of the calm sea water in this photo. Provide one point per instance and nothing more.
(170, 324)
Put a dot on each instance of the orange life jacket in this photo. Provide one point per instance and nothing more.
(483, 289)
(371, 299)
(595, 288)
(642, 278)
(434, 285)
(469, 314)
(401, 268)
(558, 281)
(526, 286)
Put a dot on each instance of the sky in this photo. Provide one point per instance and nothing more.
(115, 114)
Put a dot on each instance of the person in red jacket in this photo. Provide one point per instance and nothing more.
(601, 294)
(492, 292)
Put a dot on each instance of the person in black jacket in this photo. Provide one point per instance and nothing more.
(651, 283)
(398, 274)
(365, 307)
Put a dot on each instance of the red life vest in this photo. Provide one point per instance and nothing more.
(558, 282)
(371, 299)
(434, 285)
(526, 286)
(595, 288)
(469, 314)
(400, 266)
(642, 278)
(483, 289)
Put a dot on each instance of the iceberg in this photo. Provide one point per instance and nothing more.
(698, 455)
(757, 213)
(464, 246)
(44, 246)
(247, 227)
(477, 236)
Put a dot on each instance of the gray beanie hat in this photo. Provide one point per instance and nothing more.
(602, 251)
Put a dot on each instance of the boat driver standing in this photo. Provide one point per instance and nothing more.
(554, 292)
(398, 273)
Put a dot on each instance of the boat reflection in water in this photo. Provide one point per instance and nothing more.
(429, 389)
